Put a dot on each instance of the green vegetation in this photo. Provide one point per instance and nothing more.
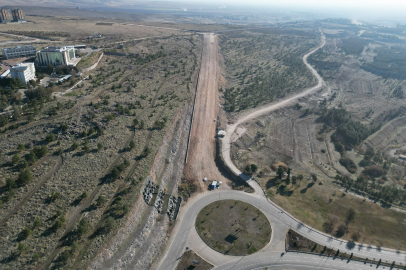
(90, 60)
(349, 133)
(390, 62)
(233, 227)
(353, 45)
(265, 65)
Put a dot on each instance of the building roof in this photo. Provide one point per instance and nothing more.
(19, 47)
(56, 49)
(214, 183)
(21, 67)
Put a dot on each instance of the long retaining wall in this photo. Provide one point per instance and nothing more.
(224, 169)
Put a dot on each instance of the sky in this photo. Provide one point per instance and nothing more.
(355, 9)
(371, 4)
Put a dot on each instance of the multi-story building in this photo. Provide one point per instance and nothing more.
(56, 56)
(24, 71)
(5, 16)
(11, 15)
(18, 51)
(18, 15)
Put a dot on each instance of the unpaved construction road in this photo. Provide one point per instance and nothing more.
(203, 160)
(226, 141)
(201, 154)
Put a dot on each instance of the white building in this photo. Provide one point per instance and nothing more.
(18, 51)
(25, 72)
(57, 56)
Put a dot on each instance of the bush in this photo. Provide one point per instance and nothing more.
(348, 164)
(109, 225)
(83, 227)
(15, 159)
(374, 171)
(50, 138)
(25, 177)
(26, 233)
(10, 183)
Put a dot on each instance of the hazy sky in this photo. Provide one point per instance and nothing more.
(354, 9)
(370, 4)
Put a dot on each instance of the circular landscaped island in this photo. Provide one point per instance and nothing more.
(233, 227)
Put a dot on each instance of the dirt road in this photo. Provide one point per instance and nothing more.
(226, 141)
(200, 161)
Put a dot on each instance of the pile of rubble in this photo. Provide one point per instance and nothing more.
(149, 192)
(173, 207)
(159, 202)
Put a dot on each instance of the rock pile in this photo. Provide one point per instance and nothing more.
(149, 192)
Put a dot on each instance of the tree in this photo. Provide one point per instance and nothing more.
(10, 184)
(74, 146)
(350, 216)
(254, 168)
(50, 137)
(83, 227)
(15, 159)
(115, 173)
(287, 180)
(100, 201)
(99, 146)
(37, 223)
(86, 148)
(135, 121)
(22, 248)
(355, 237)
(294, 180)
(25, 176)
(109, 225)
(20, 147)
(248, 168)
(288, 177)
(341, 230)
(26, 233)
(314, 177)
(280, 172)
(132, 144)
(83, 195)
(142, 124)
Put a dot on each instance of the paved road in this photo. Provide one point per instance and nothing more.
(185, 235)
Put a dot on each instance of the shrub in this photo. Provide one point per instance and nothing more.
(25, 177)
(83, 227)
(374, 171)
(109, 225)
(15, 159)
(26, 233)
(50, 137)
(348, 164)
(10, 183)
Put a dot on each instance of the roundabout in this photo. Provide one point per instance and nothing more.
(233, 227)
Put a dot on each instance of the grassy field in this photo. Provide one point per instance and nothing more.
(90, 60)
(186, 262)
(316, 205)
(233, 227)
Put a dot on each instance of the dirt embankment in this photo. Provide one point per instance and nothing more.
(201, 154)
(142, 238)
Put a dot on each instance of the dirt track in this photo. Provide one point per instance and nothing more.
(200, 161)
(266, 109)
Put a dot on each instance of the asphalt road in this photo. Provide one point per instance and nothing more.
(185, 235)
